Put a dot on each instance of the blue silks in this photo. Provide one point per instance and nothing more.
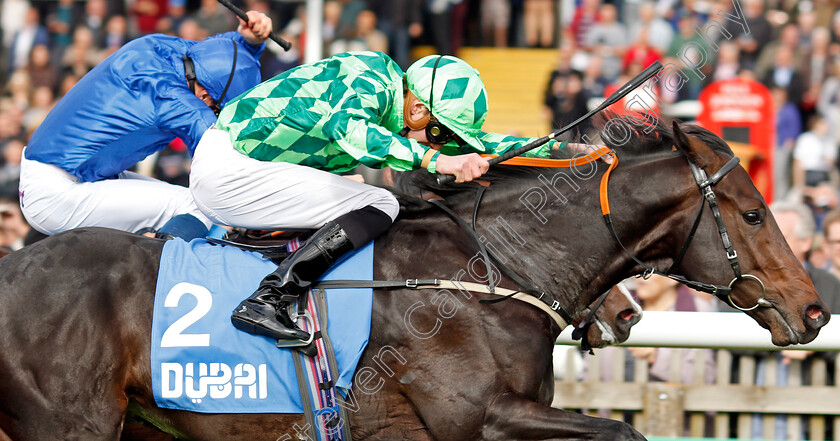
(137, 101)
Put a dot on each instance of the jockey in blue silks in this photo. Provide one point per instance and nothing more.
(133, 104)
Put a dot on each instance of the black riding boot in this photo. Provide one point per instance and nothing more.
(264, 313)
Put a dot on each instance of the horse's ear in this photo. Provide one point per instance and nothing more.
(696, 151)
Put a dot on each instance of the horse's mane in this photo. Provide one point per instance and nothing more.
(643, 144)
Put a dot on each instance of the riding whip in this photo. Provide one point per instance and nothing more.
(241, 14)
(634, 82)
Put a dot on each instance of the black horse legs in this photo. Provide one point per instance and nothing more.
(512, 417)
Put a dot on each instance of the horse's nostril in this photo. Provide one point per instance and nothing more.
(627, 314)
(814, 312)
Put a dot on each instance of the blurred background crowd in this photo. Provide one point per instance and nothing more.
(792, 47)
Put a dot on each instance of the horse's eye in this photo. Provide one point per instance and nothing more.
(752, 217)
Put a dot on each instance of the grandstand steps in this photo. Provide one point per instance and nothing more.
(516, 79)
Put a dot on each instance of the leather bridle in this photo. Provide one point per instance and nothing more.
(705, 185)
(562, 317)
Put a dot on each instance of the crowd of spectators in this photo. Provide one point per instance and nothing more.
(791, 47)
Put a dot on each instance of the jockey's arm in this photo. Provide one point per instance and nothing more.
(257, 29)
(179, 115)
(246, 38)
(465, 162)
(498, 144)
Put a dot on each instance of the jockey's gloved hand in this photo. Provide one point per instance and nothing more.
(464, 167)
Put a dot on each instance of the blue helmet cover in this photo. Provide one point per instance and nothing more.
(213, 60)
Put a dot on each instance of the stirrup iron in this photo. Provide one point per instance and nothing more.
(298, 343)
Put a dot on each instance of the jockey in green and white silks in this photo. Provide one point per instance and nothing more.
(266, 164)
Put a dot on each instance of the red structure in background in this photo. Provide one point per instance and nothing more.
(743, 114)
(642, 101)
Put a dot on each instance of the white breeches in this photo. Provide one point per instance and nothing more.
(233, 189)
(53, 200)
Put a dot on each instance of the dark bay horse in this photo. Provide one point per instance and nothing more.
(609, 324)
(75, 309)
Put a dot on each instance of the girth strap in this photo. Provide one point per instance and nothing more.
(377, 284)
(445, 284)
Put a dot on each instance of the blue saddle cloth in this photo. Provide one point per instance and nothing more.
(201, 363)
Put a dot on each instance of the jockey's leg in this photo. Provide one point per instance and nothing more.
(233, 189)
(53, 201)
(264, 312)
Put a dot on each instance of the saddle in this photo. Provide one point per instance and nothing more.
(272, 245)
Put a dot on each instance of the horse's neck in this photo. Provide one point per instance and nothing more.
(566, 248)
(563, 247)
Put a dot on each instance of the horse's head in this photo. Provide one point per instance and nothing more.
(547, 225)
(614, 314)
(743, 249)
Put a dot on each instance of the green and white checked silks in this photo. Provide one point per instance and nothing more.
(346, 110)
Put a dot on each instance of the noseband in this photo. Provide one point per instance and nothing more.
(705, 184)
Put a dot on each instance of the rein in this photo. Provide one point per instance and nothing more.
(529, 292)
(704, 184)
(527, 286)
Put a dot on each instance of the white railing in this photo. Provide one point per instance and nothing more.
(314, 35)
(747, 392)
(714, 330)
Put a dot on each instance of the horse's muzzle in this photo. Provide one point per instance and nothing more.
(815, 316)
(625, 320)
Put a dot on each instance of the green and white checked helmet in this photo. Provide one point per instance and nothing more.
(460, 100)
